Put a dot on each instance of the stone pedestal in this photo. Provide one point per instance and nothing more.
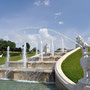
(83, 84)
(82, 87)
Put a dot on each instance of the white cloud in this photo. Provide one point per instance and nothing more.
(46, 2)
(20, 39)
(43, 3)
(44, 34)
(37, 3)
(57, 14)
(60, 22)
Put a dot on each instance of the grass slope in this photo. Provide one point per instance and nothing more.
(71, 66)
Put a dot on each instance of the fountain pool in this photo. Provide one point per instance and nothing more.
(13, 85)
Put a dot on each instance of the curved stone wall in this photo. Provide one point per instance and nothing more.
(61, 80)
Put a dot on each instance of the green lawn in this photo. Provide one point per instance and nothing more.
(71, 66)
(14, 57)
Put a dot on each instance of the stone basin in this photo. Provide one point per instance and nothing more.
(41, 75)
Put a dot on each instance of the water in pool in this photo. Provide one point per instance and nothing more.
(13, 85)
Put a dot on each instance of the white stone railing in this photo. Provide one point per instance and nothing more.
(65, 81)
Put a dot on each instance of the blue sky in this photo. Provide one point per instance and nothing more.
(71, 17)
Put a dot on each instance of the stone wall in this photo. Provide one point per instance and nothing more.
(61, 80)
(28, 74)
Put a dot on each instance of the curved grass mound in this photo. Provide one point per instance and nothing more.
(72, 68)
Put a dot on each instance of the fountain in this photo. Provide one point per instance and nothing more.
(36, 49)
(62, 44)
(24, 56)
(8, 56)
(41, 51)
(49, 48)
(52, 48)
(42, 71)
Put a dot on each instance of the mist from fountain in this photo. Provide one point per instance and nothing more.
(36, 49)
(62, 35)
(41, 51)
(24, 56)
(62, 44)
(7, 74)
(8, 56)
(49, 48)
(52, 49)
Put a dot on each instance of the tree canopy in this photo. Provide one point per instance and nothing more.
(4, 44)
(28, 47)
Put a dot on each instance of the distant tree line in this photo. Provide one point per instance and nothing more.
(4, 44)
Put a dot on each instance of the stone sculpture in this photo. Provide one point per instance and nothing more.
(85, 64)
(47, 49)
(85, 60)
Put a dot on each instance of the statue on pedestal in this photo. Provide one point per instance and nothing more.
(47, 49)
(84, 61)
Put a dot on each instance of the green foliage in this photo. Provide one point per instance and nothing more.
(2, 60)
(15, 58)
(28, 47)
(15, 54)
(18, 49)
(59, 49)
(12, 45)
(33, 50)
(4, 44)
(11, 54)
(30, 54)
(89, 49)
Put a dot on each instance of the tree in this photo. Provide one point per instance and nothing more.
(59, 49)
(27, 47)
(18, 49)
(12, 45)
(4, 44)
(33, 50)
